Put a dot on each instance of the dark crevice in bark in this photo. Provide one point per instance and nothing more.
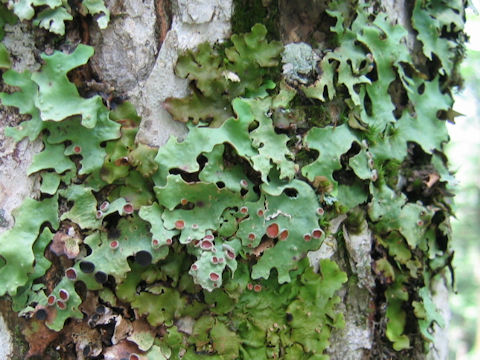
(304, 21)
(163, 11)
(250, 12)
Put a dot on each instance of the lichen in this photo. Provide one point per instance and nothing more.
(248, 13)
(55, 12)
(215, 230)
(299, 63)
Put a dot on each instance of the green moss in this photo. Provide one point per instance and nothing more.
(19, 343)
(250, 12)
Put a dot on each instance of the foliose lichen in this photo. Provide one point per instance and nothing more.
(215, 230)
(54, 13)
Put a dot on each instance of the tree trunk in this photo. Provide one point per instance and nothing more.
(347, 104)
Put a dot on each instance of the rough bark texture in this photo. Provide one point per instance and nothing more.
(193, 22)
(135, 56)
(137, 45)
(14, 185)
(5, 340)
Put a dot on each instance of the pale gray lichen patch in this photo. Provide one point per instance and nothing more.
(354, 340)
(299, 63)
(125, 51)
(20, 44)
(439, 348)
(359, 247)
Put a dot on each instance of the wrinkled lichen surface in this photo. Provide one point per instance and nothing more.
(198, 249)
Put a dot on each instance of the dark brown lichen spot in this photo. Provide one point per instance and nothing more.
(87, 267)
(101, 277)
(143, 258)
(41, 314)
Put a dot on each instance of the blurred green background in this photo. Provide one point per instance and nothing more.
(464, 155)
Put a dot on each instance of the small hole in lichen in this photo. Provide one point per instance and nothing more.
(421, 88)
(143, 258)
(86, 350)
(186, 176)
(367, 104)
(253, 125)
(87, 267)
(101, 277)
(41, 314)
(202, 160)
(290, 192)
(88, 249)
